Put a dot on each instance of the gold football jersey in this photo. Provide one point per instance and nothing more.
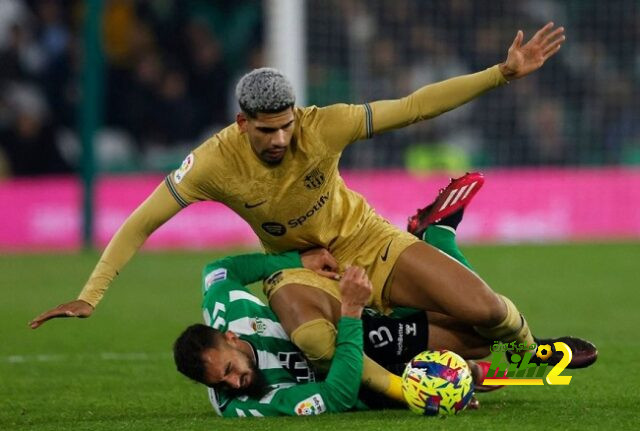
(298, 204)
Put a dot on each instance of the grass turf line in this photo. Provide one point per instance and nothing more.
(98, 377)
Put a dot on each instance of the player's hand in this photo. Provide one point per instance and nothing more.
(355, 289)
(320, 261)
(77, 308)
(524, 59)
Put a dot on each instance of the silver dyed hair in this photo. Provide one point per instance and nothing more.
(264, 90)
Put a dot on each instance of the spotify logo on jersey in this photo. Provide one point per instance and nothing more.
(273, 228)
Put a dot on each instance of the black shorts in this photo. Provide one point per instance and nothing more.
(392, 342)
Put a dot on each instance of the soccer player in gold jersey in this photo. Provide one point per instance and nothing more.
(277, 167)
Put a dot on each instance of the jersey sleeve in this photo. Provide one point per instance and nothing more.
(149, 216)
(341, 124)
(338, 393)
(433, 100)
(197, 178)
(248, 268)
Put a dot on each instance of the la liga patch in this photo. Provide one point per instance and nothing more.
(314, 405)
(186, 165)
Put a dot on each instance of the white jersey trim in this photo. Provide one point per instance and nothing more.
(236, 295)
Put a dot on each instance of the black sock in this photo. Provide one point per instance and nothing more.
(452, 220)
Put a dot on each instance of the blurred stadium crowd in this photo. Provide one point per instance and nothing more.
(579, 109)
(168, 70)
(171, 66)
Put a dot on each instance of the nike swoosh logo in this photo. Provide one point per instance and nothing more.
(249, 206)
(386, 252)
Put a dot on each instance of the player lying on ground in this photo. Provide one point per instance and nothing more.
(251, 379)
(277, 167)
(250, 365)
(253, 369)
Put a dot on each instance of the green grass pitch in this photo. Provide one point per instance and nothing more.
(114, 371)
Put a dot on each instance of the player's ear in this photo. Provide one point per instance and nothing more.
(230, 337)
(242, 121)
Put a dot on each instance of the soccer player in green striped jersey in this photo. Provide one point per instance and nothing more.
(246, 358)
(230, 306)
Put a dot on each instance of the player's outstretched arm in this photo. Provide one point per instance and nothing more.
(440, 97)
(159, 207)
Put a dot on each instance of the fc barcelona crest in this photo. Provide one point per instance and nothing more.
(314, 179)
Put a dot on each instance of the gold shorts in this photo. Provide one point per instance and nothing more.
(376, 248)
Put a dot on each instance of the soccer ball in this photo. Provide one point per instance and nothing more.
(437, 383)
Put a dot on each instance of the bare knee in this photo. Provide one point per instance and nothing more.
(484, 308)
(490, 310)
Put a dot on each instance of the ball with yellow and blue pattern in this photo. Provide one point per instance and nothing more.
(437, 382)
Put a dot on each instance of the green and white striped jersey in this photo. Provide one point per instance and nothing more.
(229, 306)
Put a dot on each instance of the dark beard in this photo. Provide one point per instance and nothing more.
(271, 162)
(257, 389)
